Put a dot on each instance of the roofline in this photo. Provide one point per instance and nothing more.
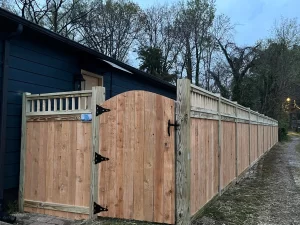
(42, 30)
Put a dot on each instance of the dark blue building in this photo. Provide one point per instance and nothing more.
(36, 60)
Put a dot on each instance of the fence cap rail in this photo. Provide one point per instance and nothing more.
(78, 93)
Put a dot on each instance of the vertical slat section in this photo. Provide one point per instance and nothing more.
(32, 106)
(25, 108)
(67, 103)
(79, 103)
(73, 103)
(120, 156)
(138, 173)
(159, 164)
(182, 156)
(98, 97)
(38, 106)
(49, 105)
(55, 105)
(60, 104)
(149, 160)
(44, 105)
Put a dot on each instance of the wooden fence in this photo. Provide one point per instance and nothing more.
(224, 140)
(167, 159)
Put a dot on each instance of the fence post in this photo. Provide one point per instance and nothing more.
(25, 107)
(182, 156)
(219, 144)
(257, 150)
(98, 97)
(249, 136)
(236, 141)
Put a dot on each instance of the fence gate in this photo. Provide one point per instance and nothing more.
(136, 176)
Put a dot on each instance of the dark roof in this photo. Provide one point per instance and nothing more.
(17, 19)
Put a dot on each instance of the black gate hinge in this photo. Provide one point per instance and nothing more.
(99, 208)
(99, 158)
(100, 110)
(172, 125)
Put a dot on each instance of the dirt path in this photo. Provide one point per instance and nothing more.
(269, 196)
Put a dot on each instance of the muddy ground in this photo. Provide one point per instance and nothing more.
(269, 195)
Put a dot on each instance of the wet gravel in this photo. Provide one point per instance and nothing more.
(269, 195)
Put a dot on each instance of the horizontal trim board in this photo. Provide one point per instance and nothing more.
(208, 116)
(57, 207)
(64, 94)
(74, 117)
(70, 112)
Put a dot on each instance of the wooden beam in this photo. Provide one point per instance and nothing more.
(59, 112)
(47, 118)
(219, 145)
(56, 207)
(25, 108)
(98, 97)
(182, 157)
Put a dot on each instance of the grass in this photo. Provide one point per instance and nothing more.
(11, 207)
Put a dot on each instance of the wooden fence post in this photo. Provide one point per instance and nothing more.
(98, 97)
(25, 107)
(257, 150)
(249, 136)
(219, 145)
(182, 156)
(236, 141)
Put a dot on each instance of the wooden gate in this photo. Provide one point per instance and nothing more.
(138, 180)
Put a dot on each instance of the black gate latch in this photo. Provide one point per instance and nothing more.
(171, 125)
(100, 110)
(99, 158)
(99, 208)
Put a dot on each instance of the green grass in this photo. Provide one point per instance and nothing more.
(11, 207)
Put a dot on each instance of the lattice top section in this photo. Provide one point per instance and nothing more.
(203, 101)
(74, 102)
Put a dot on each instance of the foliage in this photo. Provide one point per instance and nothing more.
(152, 61)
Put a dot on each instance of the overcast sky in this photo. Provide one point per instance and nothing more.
(254, 18)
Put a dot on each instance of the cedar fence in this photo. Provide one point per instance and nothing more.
(138, 155)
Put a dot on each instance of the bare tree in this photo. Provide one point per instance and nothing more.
(112, 27)
(60, 16)
(158, 32)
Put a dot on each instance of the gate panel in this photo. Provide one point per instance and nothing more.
(57, 168)
(138, 182)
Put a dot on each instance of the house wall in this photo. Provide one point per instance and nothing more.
(38, 65)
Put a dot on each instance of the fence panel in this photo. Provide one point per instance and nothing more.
(55, 155)
(204, 161)
(226, 139)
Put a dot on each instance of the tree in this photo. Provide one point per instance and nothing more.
(193, 22)
(158, 32)
(112, 28)
(240, 60)
(60, 16)
(152, 61)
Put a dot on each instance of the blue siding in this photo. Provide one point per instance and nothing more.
(122, 82)
(35, 67)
